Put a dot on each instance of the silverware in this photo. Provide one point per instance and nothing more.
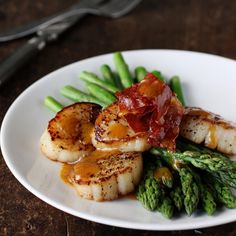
(109, 8)
(49, 29)
(34, 26)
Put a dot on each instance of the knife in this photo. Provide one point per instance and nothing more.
(45, 35)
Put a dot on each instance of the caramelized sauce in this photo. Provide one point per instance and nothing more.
(86, 132)
(151, 91)
(66, 173)
(211, 117)
(198, 112)
(118, 131)
(86, 168)
(131, 196)
(68, 126)
(162, 172)
(212, 137)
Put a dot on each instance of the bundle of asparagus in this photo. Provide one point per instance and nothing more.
(102, 90)
(206, 176)
(153, 190)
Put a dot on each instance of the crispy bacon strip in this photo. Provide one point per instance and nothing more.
(150, 106)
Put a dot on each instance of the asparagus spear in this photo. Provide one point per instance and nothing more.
(164, 175)
(176, 195)
(140, 73)
(167, 208)
(208, 201)
(188, 183)
(79, 96)
(159, 75)
(123, 70)
(149, 193)
(223, 193)
(185, 145)
(206, 196)
(226, 178)
(190, 190)
(108, 74)
(221, 168)
(100, 93)
(118, 83)
(92, 78)
(176, 87)
(52, 104)
(205, 161)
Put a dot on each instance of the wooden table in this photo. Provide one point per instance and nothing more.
(203, 25)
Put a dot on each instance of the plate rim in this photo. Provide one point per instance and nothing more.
(99, 219)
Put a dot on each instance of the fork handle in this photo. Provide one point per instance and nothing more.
(20, 57)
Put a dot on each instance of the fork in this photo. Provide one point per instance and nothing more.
(108, 8)
(49, 29)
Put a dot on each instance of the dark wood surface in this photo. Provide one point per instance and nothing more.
(203, 25)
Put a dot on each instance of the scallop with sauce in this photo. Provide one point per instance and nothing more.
(112, 132)
(106, 175)
(68, 135)
(212, 130)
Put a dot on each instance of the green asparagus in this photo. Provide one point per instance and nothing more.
(159, 75)
(205, 161)
(108, 74)
(223, 193)
(100, 93)
(123, 70)
(149, 193)
(208, 201)
(189, 186)
(190, 190)
(221, 168)
(79, 96)
(52, 104)
(140, 73)
(177, 197)
(176, 87)
(92, 78)
(118, 83)
(226, 178)
(167, 208)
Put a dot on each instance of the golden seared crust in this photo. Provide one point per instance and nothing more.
(107, 121)
(106, 175)
(68, 135)
(197, 113)
(73, 125)
(212, 130)
(112, 132)
(109, 164)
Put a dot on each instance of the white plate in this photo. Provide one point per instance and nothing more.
(209, 82)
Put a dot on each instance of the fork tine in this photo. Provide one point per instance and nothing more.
(117, 8)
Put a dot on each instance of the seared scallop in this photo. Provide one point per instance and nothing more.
(212, 130)
(68, 135)
(106, 175)
(112, 132)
